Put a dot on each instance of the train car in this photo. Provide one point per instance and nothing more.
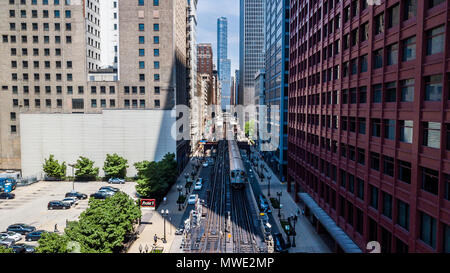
(238, 174)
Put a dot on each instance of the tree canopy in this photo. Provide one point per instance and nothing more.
(52, 168)
(53, 243)
(155, 178)
(5, 250)
(85, 170)
(115, 166)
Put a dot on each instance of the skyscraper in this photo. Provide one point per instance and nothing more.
(223, 63)
(251, 50)
(276, 82)
(369, 135)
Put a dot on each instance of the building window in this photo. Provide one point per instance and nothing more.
(103, 103)
(409, 49)
(156, 77)
(13, 129)
(446, 239)
(141, 52)
(68, 14)
(373, 197)
(156, 39)
(389, 129)
(141, 77)
(155, 27)
(392, 54)
(376, 127)
(155, 2)
(141, 27)
(409, 9)
(375, 161)
(359, 216)
(435, 40)
(141, 65)
(364, 63)
(156, 65)
(430, 180)
(156, 52)
(361, 156)
(360, 188)
(388, 165)
(403, 214)
(362, 94)
(394, 16)
(379, 23)
(377, 90)
(447, 187)
(127, 103)
(140, 2)
(378, 58)
(407, 87)
(142, 90)
(94, 103)
(434, 3)
(157, 90)
(428, 229)
(387, 205)
(112, 103)
(142, 103)
(406, 131)
(157, 104)
(141, 39)
(391, 92)
(432, 134)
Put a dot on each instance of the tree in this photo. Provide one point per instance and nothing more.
(52, 168)
(102, 227)
(5, 250)
(85, 169)
(155, 178)
(53, 243)
(115, 166)
(249, 129)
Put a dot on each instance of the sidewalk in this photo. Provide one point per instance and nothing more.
(153, 223)
(307, 240)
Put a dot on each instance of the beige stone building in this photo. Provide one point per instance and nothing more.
(50, 58)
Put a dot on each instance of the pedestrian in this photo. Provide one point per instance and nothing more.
(303, 212)
(155, 238)
(295, 218)
(56, 227)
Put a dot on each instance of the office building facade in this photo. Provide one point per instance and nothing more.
(223, 63)
(251, 47)
(368, 120)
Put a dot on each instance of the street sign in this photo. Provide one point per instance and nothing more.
(148, 204)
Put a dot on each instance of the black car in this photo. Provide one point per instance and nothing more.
(99, 195)
(58, 205)
(78, 195)
(22, 248)
(7, 195)
(21, 228)
(280, 245)
(109, 188)
(34, 236)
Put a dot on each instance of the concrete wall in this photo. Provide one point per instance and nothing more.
(136, 135)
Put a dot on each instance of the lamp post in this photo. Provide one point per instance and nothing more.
(179, 188)
(73, 177)
(164, 214)
(294, 234)
(279, 203)
(268, 189)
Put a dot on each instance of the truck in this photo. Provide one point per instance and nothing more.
(7, 184)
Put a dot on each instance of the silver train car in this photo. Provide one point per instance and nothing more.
(238, 174)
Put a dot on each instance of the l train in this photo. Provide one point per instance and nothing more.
(238, 176)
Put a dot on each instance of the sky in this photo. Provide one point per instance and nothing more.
(207, 13)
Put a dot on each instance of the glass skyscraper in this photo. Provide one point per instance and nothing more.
(223, 63)
(276, 82)
(251, 49)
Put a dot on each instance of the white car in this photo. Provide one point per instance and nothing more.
(192, 199)
(198, 186)
(10, 235)
(205, 164)
(106, 192)
(70, 200)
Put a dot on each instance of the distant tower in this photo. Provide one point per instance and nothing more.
(223, 64)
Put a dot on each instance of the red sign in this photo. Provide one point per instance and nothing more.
(148, 203)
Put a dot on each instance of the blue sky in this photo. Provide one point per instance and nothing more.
(207, 13)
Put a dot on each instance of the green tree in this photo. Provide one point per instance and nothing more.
(5, 250)
(53, 243)
(52, 168)
(85, 169)
(155, 178)
(249, 129)
(102, 227)
(115, 166)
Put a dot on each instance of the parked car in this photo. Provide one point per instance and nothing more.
(106, 192)
(7, 195)
(70, 200)
(100, 195)
(116, 181)
(179, 230)
(198, 186)
(21, 228)
(12, 235)
(192, 199)
(205, 164)
(109, 188)
(80, 196)
(23, 248)
(58, 205)
(8, 242)
(34, 236)
(264, 205)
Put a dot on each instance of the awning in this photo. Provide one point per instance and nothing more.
(336, 232)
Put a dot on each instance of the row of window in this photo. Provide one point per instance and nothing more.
(35, 27)
(142, 2)
(80, 89)
(44, 2)
(45, 14)
(35, 39)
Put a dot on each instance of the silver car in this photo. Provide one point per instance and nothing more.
(8, 242)
(70, 200)
(11, 235)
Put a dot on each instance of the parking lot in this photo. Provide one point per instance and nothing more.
(30, 203)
